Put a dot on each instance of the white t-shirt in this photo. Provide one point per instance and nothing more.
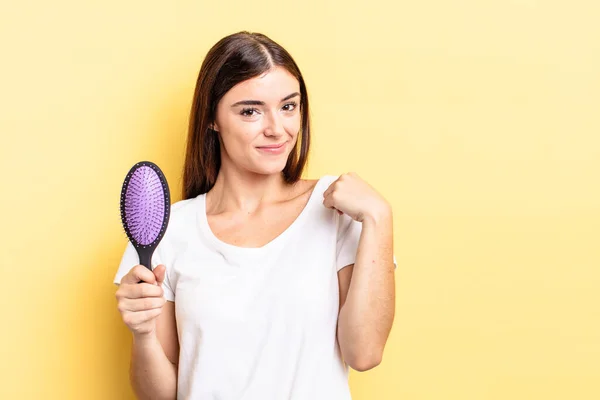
(257, 323)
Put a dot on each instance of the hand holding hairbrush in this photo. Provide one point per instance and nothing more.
(145, 208)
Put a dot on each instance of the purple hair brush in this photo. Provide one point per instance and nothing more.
(145, 208)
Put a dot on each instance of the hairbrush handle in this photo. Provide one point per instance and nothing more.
(145, 256)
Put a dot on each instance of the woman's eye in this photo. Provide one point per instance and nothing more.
(290, 106)
(249, 112)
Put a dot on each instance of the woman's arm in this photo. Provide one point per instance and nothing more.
(154, 358)
(367, 294)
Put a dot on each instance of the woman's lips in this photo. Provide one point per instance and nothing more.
(273, 149)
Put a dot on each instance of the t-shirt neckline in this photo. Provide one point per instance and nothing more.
(249, 251)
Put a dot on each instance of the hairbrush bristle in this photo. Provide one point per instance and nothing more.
(143, 209)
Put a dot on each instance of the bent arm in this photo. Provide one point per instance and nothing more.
(154, 359)
(367, 295)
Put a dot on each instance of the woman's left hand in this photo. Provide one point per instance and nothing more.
(351, 195)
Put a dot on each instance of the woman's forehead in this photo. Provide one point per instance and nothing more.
(272, 86)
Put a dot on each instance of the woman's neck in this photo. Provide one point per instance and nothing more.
(246, 192)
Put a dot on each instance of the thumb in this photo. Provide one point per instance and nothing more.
(159, 273)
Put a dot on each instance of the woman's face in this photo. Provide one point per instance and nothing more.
(256, 114)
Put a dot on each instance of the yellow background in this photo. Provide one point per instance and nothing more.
(478, 120)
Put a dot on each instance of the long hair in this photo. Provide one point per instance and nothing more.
(234, 59)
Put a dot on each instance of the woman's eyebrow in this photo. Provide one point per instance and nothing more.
(261, 103)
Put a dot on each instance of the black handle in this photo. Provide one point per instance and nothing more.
(145, 255)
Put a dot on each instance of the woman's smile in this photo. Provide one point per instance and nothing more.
(273, 149)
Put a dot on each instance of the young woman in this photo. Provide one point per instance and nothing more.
(265, 286)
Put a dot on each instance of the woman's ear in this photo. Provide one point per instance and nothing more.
(214, 126)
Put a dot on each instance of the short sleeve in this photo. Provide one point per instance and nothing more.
(348, 236)
(130, 259)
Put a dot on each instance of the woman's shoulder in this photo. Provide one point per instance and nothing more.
(326, 179)
(315, 185)
(181, 209)
(182, 217)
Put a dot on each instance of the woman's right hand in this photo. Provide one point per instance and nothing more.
(140, 299)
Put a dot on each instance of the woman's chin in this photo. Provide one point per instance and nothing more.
(269, 168)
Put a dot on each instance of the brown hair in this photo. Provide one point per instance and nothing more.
(234, 59)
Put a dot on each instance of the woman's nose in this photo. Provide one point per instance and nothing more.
(274, 126)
